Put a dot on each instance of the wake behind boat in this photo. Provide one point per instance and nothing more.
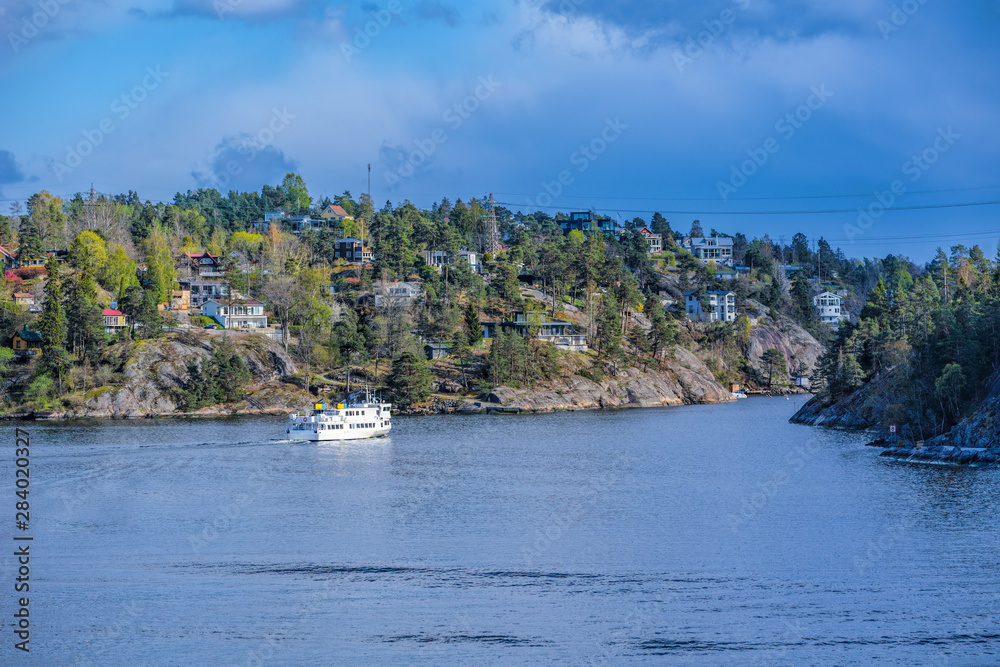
(361, 416)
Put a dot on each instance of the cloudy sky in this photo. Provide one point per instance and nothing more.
(761, 116)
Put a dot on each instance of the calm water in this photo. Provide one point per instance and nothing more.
(700, 535)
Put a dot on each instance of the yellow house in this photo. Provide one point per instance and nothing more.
(26, 343)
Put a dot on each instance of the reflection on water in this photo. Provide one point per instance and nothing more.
(699, 535)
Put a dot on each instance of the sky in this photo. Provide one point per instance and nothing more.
(871, 123)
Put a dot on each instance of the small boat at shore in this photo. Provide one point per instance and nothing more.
(361, 416)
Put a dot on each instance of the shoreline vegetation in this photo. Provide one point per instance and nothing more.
(459, 307)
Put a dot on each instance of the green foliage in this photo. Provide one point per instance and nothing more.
(473, 327)
(514, 360)
(222, 378)
(410, 380)
(40, 392)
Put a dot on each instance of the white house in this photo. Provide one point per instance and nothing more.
(438, 258)
(248, 314)
(721, 306)
(654, 241)
(829, 306)
(711, 250)
(396, 292)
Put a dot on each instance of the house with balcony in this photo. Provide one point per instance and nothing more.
(200, 291)
(654, 241)
(439, 259)
(203, 265)
(829, 307)
(564, 335)
(719, 306)
(352, 250)
(244, 314)
(714, 250)
(589, 223)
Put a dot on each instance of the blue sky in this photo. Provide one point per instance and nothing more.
(730, 111)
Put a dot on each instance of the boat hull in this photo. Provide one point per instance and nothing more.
(311, 435)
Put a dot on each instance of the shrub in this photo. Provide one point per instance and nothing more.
(29, 272)
(12, 278)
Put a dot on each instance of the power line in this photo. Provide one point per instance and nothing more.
(790, 212)
(784, 198)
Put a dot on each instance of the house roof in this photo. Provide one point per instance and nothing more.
(6, 252)
(349, 239)
(28, 335)
(111, 311)
(339, 210)
(23, 295)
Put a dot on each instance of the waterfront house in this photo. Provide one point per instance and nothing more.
(244, 314)
(711, 250)
(829, 308)
(26, 342)
(720, 306)
(563, 335)
(114, 320)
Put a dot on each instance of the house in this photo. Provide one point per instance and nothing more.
(114, 320)
(26, 343)
(9, 261)
(401, 293)
(204, 265)
(589, 223)
(24, 299)
(721, 306)
(829, 308)
(563, 335)
(655, 241)
(352, 250)
(180, 299)
(436, 351)
(711, 250)
(32, 261)
(335, 212)
(200, 291)
(439, 258)
(245, 314)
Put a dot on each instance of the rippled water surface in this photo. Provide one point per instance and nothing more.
(701, 535)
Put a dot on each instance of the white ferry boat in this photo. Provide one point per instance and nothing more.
(362, 416)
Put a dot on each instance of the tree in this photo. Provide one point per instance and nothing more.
(161, 275)
(88, 253)
(296, 193)
(410, 380)
(774, 358)
(52, 324)
(473, 327)
(278, 296)
(696, 230)
(119, 272)
(609, 329)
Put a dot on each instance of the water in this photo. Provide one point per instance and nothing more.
(700, 535)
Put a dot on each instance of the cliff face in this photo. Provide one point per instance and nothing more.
(685, 380)
(157, 368)
(861, 410)
(798, 345)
